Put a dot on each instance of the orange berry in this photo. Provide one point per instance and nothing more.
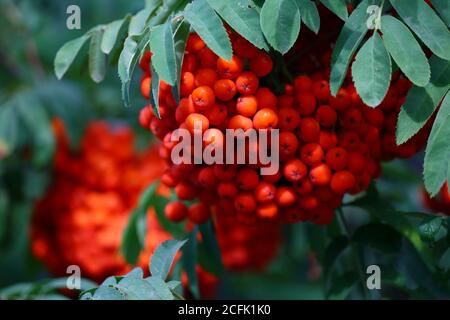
(342, 182)
(267, 210)
(261, 64)
(247, 179)
(337, 158)
(207, 58)
(206, 77)
(326, 116)
(265, 119)
(309, 130)
(286, 196)
(240, 122)
(288, 119)
(320, 175)
(247, 105)
(187, 84)
(312, 154)
(217, 114)
(203, 98)
(175, 211)
(146, 85)
(194, 43)
(230, 69)
(303, 83)
(266, 98)
(198, 213)
(225, 89)
(247, 83)
(265, 192)
(245, 202)
(294, 170)
(307, 103)
(196, 118)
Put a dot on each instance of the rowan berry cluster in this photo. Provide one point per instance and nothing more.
(329, 146)
(81, 219)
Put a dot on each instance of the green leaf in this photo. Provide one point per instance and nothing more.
(189, 260)
(179, 38)
(437, 153)
(111, 33)
(243, 17)
(418, 15)
(209, 27)
(421, 102)
(371, 71)
(137, 23)
(443, 8)
(379, 236)
(349, 39)
(309, 14)
(433, 230)
(405, 51)
(66, 55)
(161, 288)
(128, 59)
(163, 59)
(163, 257)
(341, 282)
(132, 242)
(9, 128)
(280, 23)
(339, 7)
(97, 59)
(209, 250)
(154, 92)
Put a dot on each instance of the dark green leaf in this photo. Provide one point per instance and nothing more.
(443, 8)
(163, 257)
(189, 260)
(405, 50)
(371, 71)
(132, 243)
(309, 14)
(280, 23)
(378, 236)
(9, 130)
(209, 27)
(339, 7)
(418, 15)
(437, 153)
(433, 230)
(137, 23)
(66, 55)
(349, 39)
(154, 92)
(333, 251)
(243, 17)
(421, 102)
(444, 261)
(162, 46)
(209, 249)
(180, 37)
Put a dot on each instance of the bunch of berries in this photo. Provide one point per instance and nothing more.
(81, 219)
(328, 146)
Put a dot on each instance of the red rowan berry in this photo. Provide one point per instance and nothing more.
(175, 211)
(309, 130)
(285, 101)
(285, 196)
(266, 98)
(261, 64)
(326, 116)
(198, 213)
(225, 89)
(303, 83)
(194, 119)
(217, 114)
(265, 119)
(194, 43)
(356, 163)
(245, 202)
(308, 202)
(320, 175)
(294, 170)
(225, 172)
(350, 141)
(247, 83)
(247, 105)
(374, 116)
(307, 103)
(230, 69)
(145, 116)
(203, 98)
(205, 77)
(337, 158)
(341, 101)
(342, 182)
(352, 118)
(267, 210)
(240, 122)
(328, 140)
(146, 85)
(207, 58)
(265, 192)
(185, 108)
(227, 189)
(206, 178)
(288, 144)
(185, 191)
(187, 84)
(304, 187)
(312, 154)
(244, 49)
(247, 179)
(189, 63)
(321, 90)
(288, 119)
(272, 178)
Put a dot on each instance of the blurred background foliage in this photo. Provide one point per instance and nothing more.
(314, 262)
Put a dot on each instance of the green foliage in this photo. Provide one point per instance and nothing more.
(372, 71)
(421, 102)
(405, 51)
(437, 155)
(163, 48)
(134, 286)
(309, 14)
(280, 23)
(339, 7)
